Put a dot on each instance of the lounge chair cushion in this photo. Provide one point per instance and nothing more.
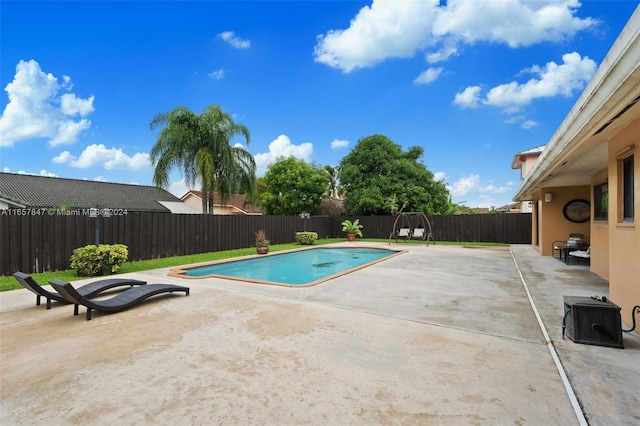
(585, 254)
(403, 232)
(581, 254)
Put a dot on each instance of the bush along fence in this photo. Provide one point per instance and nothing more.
(39, 243)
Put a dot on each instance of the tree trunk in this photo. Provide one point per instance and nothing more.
(210, 201)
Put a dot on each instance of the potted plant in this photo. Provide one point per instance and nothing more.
(352, 229)
(262, 244)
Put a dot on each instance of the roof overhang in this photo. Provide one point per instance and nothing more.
(12, 203)
(178, 207)
(609, 103)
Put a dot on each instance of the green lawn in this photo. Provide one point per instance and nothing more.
(10, 283)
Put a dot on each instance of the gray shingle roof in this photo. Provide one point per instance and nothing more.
(42, 191)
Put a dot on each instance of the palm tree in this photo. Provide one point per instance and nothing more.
(200, 146)
(333, 190)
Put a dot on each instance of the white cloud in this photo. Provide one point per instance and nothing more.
(472, 183)
(439, 176)
(522, 120)
(68, 131)
(339, 144)
(469, 98)
(234, 41)
(42, 172)
(380, 31)
(70, 104)
(463, 185)
(399, 29)
(63, 157)
(513, 22)
(529, 124)
(98, 155)
(179, 188)
(443, 54)
(428, 76)
(282, 147)
(36, 110)
(217, 74)
(552, 80)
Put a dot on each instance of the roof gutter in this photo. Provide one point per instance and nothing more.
(620, 62)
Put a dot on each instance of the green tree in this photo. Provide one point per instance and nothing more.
(378, 176)
(453, 208)
(333, 189)
(199, 144)
(292, 187)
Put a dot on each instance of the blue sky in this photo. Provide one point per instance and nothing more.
(472, 82)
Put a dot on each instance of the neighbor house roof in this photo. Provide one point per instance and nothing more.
(23, 190)
(236, 200)
(518, 157)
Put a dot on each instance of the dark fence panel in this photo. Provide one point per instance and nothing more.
(39, 243)
(512, 228)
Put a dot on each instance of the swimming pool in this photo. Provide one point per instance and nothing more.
(305, 267)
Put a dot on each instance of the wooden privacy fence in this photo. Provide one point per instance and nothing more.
(39, 243)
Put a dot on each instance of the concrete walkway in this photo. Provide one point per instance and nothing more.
(438, 335)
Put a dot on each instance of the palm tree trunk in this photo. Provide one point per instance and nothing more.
(204, 201)
(210, 199)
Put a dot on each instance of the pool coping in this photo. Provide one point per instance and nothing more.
(180, 271)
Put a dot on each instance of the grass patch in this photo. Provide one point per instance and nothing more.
(10, 283)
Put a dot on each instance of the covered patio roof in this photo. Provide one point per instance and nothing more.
(609, 103)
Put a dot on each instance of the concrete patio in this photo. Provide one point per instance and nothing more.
(438, 335)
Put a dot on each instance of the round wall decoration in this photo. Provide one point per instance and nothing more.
(577, 211)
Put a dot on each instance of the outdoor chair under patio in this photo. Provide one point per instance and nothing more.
(581, 254)
(120, 302)
(87, 290)
(563, 247)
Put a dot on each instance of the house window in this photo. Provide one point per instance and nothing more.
(627, 189)
(601, 201)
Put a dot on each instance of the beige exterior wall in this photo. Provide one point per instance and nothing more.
(193, 201)
(615, 245)
(196, 203)
(553, 226)
(528, 162)
(599, 234)
(624, 237)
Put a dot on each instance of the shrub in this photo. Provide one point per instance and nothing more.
(306, 238)
(91, 261)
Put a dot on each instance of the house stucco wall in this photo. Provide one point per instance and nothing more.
(624, 237)
(196, 202)
(193, 201)
(599, 234)
(553, 225)
(528, 161)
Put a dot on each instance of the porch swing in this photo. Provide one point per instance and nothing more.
(411, 226)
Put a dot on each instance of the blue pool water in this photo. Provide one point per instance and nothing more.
(294, 268)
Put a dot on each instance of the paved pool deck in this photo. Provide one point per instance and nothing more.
(440, 335)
